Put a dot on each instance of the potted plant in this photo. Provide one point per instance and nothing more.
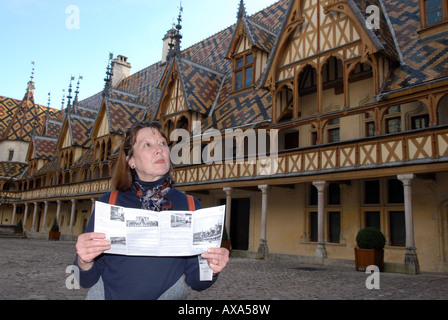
(225, 243)
(370, 250)
(54, 232)
(19, 229)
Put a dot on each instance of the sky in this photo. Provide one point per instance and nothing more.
(74, 38)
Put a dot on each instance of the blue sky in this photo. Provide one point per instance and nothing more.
(63, 43)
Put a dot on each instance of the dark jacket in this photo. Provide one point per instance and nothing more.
(142, 278)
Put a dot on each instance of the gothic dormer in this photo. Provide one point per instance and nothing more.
(433, 17)
(248, 51)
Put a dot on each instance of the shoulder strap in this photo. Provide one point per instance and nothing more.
(190, 200)
(113, 197)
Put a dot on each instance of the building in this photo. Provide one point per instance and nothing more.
(353, 92)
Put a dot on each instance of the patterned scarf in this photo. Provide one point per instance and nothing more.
(154, 197)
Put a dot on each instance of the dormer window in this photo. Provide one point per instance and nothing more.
(433, 16)
(244, 71)
(11, 155)
(434, 12)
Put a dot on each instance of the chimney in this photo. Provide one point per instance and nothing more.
(121, 69)
(167, 40)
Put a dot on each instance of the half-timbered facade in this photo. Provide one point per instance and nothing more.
(310, 119)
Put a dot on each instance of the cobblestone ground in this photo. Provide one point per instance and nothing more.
(36, 270)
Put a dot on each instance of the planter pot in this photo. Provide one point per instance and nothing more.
(369, 257)
(54, 236)
(226, 244)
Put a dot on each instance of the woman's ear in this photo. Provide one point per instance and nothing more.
(130, 162)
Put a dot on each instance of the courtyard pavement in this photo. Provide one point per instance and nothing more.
(32, 269)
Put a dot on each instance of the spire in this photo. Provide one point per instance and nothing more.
(63, 99)
(241, 10)
(30, 88)
(75, 102)
(69, 97)
(175, 35)
(109, 74)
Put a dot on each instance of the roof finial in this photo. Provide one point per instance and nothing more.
(241, 10)
(63, 99)
(49, 99)
(32, 72)
(109, 74)
(69, 97)
(175, 35)
(178, 35)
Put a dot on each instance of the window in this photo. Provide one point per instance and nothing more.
(370, 129)
(313, 227)
(434, 12)
(334, 135)
(395, 191)
(372, 192)
(292, 140)
(11, 155)
(420, 122)
(333, 130)
(373, 219)
(244, 71)
(393, 125)
(334, 226)
(334, 194)
(397, 228)
(312, 200)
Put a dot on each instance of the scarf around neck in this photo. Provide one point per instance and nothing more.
(153, 195)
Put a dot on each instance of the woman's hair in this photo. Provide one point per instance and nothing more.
(123, 177)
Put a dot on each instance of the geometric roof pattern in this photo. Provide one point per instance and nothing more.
(425, 60)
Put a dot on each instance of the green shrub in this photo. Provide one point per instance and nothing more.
(55, 227)
(370, 238)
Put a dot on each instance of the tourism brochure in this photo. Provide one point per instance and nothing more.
(138, 232)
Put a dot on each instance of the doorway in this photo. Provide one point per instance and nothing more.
(239, 223)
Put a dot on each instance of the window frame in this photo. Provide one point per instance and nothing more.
(243, 69)
(424, 14)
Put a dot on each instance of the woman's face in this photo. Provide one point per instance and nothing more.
(151, 158)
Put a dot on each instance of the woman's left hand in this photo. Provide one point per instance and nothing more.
(217, 258)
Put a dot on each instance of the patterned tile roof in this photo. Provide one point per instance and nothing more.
(44, 147)
(12, 170)
(123, 114)
(80, 129)
(201, 85)
(425, 59)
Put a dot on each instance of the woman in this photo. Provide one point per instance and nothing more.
(143, 181)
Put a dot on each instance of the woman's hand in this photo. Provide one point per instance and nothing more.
(217, 258)
(90, 246)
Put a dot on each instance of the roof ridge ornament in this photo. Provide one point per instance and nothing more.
(242, 10)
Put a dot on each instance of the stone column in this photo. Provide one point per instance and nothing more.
(33, 225)
(14, 210)
(228, 192)
(263, 248)
(26, 216)
(58, 211)
(321, 252)
(72, 218)
(410, 259)
(93, 205)
(43, 229)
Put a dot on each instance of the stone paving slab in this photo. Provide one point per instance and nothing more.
(36, 270)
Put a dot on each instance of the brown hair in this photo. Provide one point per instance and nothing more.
(123, 176)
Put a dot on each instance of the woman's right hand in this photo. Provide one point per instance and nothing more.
(89, 247)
